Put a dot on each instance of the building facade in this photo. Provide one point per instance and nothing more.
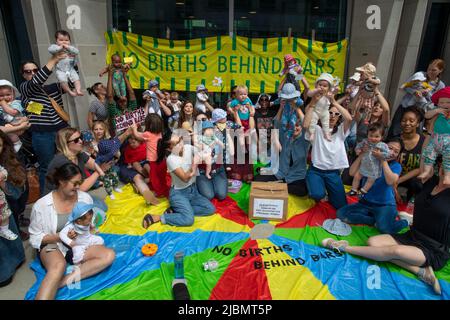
(399, 36)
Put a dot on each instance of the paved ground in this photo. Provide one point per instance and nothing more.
(24, 277)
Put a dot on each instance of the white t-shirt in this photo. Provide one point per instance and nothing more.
(329, 155)
(185, 162)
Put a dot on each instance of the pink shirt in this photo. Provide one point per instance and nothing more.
(151, 140)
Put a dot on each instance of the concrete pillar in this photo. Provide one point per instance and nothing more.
(5, 62)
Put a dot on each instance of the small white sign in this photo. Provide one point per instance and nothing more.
(268, 208)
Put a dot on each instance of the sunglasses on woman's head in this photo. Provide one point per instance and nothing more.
(76, 140)
(30, 71)
(263, 99)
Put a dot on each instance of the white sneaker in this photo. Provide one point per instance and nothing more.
(406, 216)
(8, 235)
(118, 190)
(112, 197)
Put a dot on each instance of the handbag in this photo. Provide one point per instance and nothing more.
(60, 111)
(33, 185)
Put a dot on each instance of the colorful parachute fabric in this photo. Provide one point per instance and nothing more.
(289, 264)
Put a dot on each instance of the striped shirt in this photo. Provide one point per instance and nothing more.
(33, 90)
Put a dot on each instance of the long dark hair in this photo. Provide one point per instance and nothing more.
(154, 123)
(17, 175)
(183, 117)
(63, 173)
(91, 90)
(163, 146)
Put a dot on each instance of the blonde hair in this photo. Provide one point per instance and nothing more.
(438, 63)
(62, 139)
(105, 128)
(241, 87)
(174, 95)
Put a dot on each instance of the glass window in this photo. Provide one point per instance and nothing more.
(172, 19)
(269, 18)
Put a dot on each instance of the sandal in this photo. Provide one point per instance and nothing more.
(148, 220)
(427, 276)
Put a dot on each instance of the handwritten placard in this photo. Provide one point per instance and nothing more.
(126, 120)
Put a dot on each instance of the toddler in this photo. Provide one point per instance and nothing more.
(65, 68)
(11, 111)
(154, 128)
(417, 88)
(439, 142)
(202, 98)
(5, 212)
(292, 70)
(153, 96)
(326, 87)
(175, 104)
(81, 222)
(118, 80)
(243, 109)
(370, 166)
(367, 98)
(108, 150)
(135, 156)
(206, 143)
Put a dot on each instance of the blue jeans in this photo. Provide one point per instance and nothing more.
(217, 187)
(321, 182)
(44, 147)
(186, 203)
(364, 212)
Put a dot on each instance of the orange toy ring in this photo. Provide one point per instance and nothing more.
(149, 249)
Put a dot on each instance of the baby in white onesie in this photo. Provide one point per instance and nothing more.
(81, 221)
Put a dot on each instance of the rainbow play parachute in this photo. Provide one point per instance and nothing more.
(290, 264)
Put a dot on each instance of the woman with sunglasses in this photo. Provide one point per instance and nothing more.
(328, 157)
(47, 123)
(48, 217)
(69, 143)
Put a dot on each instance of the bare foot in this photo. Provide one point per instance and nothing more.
(80, 93)
(150, 198)
(208, 176)
(327, 136)
(426, 174)
(72, 93)
(311, 136)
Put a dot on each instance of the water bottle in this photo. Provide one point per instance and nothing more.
(210, 265)
(410, 206)
(179, 268)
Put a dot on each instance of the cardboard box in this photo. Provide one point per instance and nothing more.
(268, 201)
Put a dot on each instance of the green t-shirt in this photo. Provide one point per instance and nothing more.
(442, 125)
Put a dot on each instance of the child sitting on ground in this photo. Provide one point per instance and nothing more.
(81, 222)
(11, 111)
(118, 80)
(65, 68)
(108, 150)
(439, 142)
(154, 128)
(326, 87)
(5, 212)
(370, 166)
(206, 143)
(135, 157)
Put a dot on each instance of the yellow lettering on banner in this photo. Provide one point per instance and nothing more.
(185, 66)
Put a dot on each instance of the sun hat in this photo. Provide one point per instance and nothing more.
(368, 68)
(107, 148)
(289, 92)
(207, 125)
(443, 93)
(6, 83)
(201, 87)
(418, 76)
(79, 210)
(153, 83)
(288, 58)
(356, 76)
(337, 227)
(218, 114)
(326, 77)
